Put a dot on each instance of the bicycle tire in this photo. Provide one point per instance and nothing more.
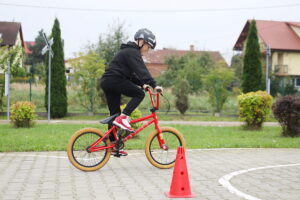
(173, 139)
(103, 155)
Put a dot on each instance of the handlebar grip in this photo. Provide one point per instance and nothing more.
(159, 91)
(147, 89)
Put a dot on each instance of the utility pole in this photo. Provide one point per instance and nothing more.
(30, 83)
(44, 50)
(268, 55)
(30, 88)
(7, 88)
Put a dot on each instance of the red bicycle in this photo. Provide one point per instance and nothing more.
(89, 149)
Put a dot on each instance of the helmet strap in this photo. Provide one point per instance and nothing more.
(139, 44)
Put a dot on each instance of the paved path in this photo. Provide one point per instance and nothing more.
(199, 123)
(269, 174)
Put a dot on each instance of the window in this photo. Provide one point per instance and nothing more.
(297, 82)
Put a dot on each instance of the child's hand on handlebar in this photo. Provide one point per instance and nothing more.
(159, 89)
(145, 87)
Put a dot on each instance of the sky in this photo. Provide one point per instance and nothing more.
(212, 25)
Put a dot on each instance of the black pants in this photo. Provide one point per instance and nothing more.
(113, 87)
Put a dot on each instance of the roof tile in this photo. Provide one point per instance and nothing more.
(9, 32)
(159, 56)
(276, 34)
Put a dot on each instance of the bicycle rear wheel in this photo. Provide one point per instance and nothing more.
(78, 154)
(159, 157)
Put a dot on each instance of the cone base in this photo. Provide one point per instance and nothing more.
(168, 194)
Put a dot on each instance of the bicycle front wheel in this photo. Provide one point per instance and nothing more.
(79, 155)
(159, 157)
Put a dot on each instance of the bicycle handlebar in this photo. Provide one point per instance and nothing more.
(151, 98)
(148, 89)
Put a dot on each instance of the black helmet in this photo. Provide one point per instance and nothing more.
(147, 36)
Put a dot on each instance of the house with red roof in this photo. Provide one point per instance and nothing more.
(11, 35)
(155, 60)
(28, 44)
(283, 39)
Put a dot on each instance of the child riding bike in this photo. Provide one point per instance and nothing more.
(123, 76)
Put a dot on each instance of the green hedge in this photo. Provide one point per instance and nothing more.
(23, 114)
(254, 108)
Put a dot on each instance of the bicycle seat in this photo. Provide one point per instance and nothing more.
(110, 119)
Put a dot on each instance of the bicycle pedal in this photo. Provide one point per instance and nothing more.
(117, 155)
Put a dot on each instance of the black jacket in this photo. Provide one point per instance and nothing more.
(128, 63)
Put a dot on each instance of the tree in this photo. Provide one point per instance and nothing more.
(252, 72)
(191, 67)
(181, 91)
(217, 83)
(88, 67)
(59, 102)
(14, 55)
(40, 71)
(169, 77)
(36, 57)
(237, 65)
(194, 70)
(109, 43)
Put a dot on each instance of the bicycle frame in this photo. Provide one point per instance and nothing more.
(93, 147)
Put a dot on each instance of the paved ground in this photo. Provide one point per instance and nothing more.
(272, 174)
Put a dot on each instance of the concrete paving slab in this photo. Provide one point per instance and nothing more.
(49, 175)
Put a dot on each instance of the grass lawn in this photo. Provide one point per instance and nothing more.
(54, 137)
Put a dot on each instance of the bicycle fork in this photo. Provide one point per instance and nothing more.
(160, 138)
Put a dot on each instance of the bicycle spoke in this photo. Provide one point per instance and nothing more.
(161, 156)
(84, 158)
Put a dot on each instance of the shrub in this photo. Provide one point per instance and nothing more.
(216, 84)
(287, 111)
(23, 114)
(181, 91)
(134, 115)
(254, 107)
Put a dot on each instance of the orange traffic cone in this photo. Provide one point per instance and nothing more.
(180, 186)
